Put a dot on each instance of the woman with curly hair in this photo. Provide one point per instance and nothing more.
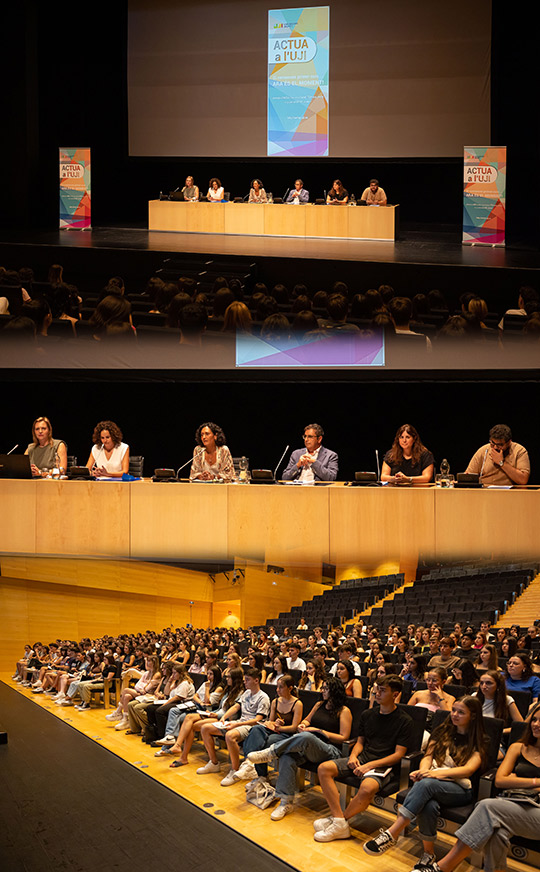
(109, 457)
(408, 459)
(212, 460)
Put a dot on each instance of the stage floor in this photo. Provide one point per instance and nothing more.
(290, 840)
(412, 247)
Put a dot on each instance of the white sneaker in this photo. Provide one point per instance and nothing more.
(116, 715)
(208, 767)
(66, 702)
(322, 823)
(285, 807)
(246, 771)
(37, 690)
(166, 740)
(122, 725)
(266, 755)
(338, 829)
(230, 778)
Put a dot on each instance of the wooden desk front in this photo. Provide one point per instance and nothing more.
(268, 523)
(249, 219)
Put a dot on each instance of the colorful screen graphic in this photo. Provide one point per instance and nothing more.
(484, 195)
(298, 56)
(75, 191)
(321, 351)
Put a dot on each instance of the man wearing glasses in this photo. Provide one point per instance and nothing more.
(501, 461)
(313, 462)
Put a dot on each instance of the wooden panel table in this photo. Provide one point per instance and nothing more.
(250, 219)
(179, 521)
(270, 523)
(381, 523)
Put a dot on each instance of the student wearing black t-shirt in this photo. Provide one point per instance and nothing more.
(383, 738)
(408, 459)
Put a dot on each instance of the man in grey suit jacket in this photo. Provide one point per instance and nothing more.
(314, 462)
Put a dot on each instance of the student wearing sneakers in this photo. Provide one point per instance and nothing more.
(251, 708)
(457, 749)
(383, 738)
(320, 737)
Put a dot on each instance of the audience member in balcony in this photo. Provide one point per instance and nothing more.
(175, 307)
(527, 302)
(401, 311)
(337, 309)
(40, 313)
(276, 328)
(163, 298)
(305, 322)
(420, 307)
(320, 736)
(237, 318)
(456, 751)
(494, 821)
(384, 735)
(111, 310)
(193, 319)
(314, 462)
(222, 299)
(501, 461)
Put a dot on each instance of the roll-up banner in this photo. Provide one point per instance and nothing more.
(75, 200)
(484, 195)
(298, 58)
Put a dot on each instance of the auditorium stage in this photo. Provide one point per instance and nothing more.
(417, 261)
(68, 804)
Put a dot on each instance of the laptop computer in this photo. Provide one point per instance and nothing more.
(15, 466)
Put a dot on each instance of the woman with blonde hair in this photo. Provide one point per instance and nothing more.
(237, 318)
(44, 451)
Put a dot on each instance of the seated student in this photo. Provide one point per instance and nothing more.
(86, 687)
(285, 715)
(434, 698)
(464, 674)
(345, 652)
(314, 676)
(494, 821)
(180, 690)
(345, 673)
(383, 738)
(519, 675)
(320, 736)
(225, 697)
(457, 749)
(445, 658)
(251, 708)
(415, 669)
(294, 661)
(466, 650)
(495, 701)
(487, 658)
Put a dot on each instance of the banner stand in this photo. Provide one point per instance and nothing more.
(484, 196)
(75, 189)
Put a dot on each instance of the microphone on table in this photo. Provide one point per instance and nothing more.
(378, 465)
(286, 194)
(280, 459)
(13, 449)
(483, 464)
(176, 189)
(191, 459)
(325, 196)
(245, 198)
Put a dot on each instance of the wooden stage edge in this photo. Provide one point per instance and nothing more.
(291, 840)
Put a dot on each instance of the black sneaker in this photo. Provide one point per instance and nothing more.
(380, 843)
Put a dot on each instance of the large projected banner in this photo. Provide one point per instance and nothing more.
(298, 56)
